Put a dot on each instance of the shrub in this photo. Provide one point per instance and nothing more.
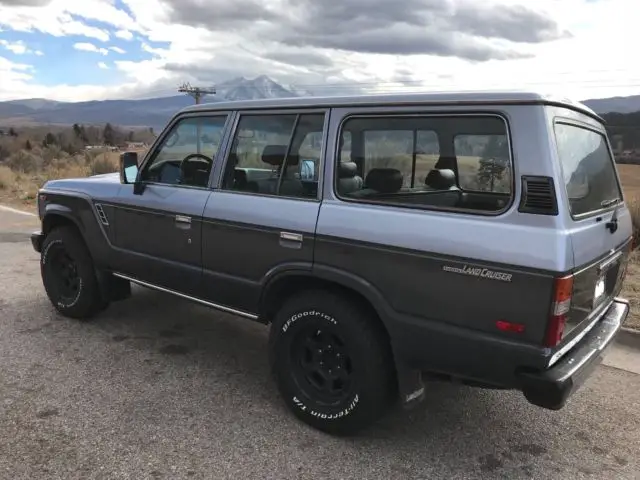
(103, 164)
(7, 177)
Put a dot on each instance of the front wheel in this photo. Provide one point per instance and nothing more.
(68, 274)
(332, 362)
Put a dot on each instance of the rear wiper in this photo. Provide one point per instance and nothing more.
(608, 203)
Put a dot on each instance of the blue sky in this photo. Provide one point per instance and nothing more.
(77, 50)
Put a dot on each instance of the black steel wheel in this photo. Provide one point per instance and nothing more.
(332, 362)
(68, 274)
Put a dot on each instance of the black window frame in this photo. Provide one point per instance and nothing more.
(434, 208)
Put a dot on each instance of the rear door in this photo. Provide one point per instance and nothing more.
(598, 219)
(258, 224)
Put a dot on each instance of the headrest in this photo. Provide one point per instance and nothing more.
(384, 180)
(440, 179)
(445, 162)
(274, 155)
(347, 170)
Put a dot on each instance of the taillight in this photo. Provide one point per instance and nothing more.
(560, 306)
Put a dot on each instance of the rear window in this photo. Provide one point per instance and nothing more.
(587, 167)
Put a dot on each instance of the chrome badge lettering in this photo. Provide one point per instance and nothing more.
(479, 272)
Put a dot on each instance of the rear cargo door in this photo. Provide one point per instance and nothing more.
(600, 223)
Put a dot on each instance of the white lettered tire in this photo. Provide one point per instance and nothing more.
(68, 274)
(332, 362)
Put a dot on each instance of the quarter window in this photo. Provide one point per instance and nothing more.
(276, 154)
(187, 152)
(441, 162)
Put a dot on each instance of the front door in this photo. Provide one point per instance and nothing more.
(158, 234)
(262, 218)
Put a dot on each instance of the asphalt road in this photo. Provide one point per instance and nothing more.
(159, 388)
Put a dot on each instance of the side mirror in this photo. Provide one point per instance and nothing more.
(307, 170)
(128, 167)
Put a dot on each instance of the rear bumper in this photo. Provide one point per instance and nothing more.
(551, 388)
(36, 241)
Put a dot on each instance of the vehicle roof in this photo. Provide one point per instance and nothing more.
(516, 97)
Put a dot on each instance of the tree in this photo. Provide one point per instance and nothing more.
(109, 135)
(493, 163)
(49, 139)
(130, 136)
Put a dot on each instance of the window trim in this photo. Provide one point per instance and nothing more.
(429, 208)
(233, 128)
(560, 120)
(157, 144)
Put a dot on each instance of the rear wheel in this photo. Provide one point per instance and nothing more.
(332, 362)
(68, 274)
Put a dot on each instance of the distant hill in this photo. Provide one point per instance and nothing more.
(614, 104)
(152, 112)
(156, 112)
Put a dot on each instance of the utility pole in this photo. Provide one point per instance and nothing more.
(196, 92)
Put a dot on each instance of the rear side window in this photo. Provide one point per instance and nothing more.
(587, 167)
(452, 162)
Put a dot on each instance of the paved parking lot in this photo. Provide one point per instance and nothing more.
(159, 388)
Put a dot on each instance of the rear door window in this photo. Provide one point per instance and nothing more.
(588, 169)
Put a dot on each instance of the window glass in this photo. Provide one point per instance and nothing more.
(187, 153)
(276, 154)
(483, 162)
(587, 167)
(448, 162)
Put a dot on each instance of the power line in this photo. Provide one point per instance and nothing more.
(196, 92)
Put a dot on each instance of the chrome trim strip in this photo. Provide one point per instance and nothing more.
(187, 297)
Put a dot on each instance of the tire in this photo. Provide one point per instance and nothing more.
(68, 275)
(356, 358)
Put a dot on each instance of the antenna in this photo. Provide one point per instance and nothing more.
(196, 92)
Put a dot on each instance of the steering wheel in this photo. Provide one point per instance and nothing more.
(186, 159)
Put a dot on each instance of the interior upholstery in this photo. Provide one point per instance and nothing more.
(291, 186)
(440, 179)
(380, 180)
(348, 179)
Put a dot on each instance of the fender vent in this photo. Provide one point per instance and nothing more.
(538, 196)
(101, 215)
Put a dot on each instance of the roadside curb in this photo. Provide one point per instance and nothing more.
(629, 338)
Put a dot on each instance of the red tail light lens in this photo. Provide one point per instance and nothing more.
(560, 306)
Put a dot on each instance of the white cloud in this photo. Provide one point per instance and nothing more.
(19, 48)
(212, 41)
(124, 34)
(117, 50)
(90, 47)
(103, 66)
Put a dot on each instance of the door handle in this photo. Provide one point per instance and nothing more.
(182, 221)
(291, 240)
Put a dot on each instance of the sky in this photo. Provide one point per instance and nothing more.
(77, 50)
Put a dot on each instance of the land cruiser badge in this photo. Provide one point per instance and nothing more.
(479, 272)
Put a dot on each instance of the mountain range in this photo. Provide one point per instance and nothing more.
(156, 112)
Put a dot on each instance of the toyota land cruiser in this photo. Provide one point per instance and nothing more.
(387, 241)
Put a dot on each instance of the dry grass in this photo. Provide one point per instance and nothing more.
(25, 172)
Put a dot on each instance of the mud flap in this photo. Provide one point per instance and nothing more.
(410, 386)
(113, 289)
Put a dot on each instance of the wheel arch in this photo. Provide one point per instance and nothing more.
(289, 282)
